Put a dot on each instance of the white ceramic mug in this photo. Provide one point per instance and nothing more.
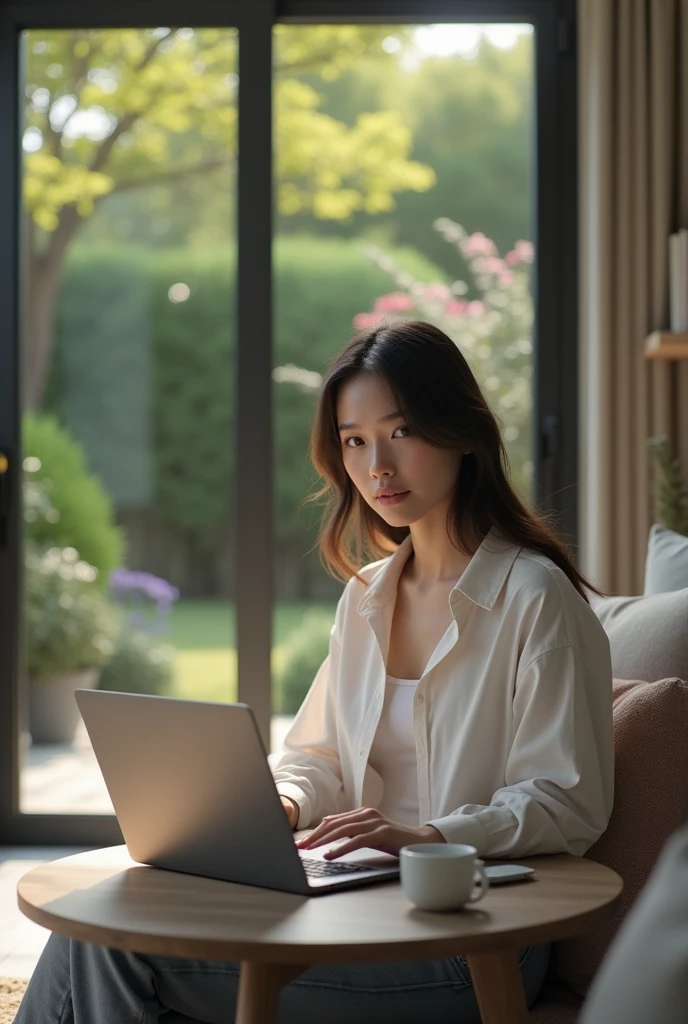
(442, 876)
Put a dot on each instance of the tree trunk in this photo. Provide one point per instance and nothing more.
(44, 272)
(41, 295)
(43, 269)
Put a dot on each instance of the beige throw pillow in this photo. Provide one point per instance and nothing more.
(648, 636)
(666, 565)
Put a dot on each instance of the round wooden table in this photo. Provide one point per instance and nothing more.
(105, 898)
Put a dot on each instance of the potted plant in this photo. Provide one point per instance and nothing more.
(671, 492)
(70, 627)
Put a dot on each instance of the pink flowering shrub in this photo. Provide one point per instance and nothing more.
(494, 331)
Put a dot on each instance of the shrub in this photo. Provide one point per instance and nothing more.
(101, 380)
(67, 506)
(147, 384)
(139, 664)
(37, 505)
(494, 332)
(304, 653)
(69, 624)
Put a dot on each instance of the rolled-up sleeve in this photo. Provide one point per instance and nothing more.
(559, 774)
(309, 769)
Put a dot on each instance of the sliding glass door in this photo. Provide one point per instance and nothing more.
(127, 345)
(176, 174)
(422, 209)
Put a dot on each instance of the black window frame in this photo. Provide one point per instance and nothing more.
(554, 205)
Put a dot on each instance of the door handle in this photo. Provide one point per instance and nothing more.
(4, 496)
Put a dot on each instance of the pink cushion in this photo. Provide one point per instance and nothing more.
(650, 803)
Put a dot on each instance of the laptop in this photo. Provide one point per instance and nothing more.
(192, 789)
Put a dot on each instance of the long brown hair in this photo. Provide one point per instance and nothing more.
(440, 398)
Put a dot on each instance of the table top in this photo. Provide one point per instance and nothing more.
(104, 897)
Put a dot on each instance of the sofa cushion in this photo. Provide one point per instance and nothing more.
(666, 565)
(648, 635)
(650, 803)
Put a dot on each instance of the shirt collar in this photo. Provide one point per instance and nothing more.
(481, 581)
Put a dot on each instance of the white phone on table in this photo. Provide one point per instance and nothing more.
(498, 873)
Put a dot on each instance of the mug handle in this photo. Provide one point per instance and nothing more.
(482, 882)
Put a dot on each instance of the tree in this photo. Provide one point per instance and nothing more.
(110, 111)
(472, 122)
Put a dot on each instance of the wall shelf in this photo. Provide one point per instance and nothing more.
(666, 345)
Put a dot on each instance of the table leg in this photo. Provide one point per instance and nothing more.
(498, 987)
(259, 989)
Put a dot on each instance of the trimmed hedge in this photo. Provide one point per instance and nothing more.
(147, 384)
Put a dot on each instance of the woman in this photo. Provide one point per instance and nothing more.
(466, 696)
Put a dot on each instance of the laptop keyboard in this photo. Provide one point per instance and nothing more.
(323, 868)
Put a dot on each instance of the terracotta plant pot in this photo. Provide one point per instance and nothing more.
(53, 712)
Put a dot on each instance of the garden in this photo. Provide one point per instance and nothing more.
(128, 434)
(87, 612)
(91, 623)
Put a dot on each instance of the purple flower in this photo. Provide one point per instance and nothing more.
(135, 590)
(124, 581)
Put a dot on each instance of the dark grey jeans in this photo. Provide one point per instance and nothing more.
(80, 983)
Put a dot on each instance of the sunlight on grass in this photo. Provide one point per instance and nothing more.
(196, 624)
(206, 674)
(202, 632)
(203, 674)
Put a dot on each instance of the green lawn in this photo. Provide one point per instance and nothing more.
(203, 632)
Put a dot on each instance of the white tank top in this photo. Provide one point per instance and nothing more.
(393, 753)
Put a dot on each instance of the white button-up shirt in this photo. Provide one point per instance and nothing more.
(512, 715)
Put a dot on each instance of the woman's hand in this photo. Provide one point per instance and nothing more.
(292, 810)
(367, 827)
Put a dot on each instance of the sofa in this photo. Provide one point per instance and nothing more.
(649, 644)
(648, 636)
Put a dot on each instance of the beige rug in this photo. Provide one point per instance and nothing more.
(11, 992)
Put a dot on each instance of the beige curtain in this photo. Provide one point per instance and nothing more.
(633, 125)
